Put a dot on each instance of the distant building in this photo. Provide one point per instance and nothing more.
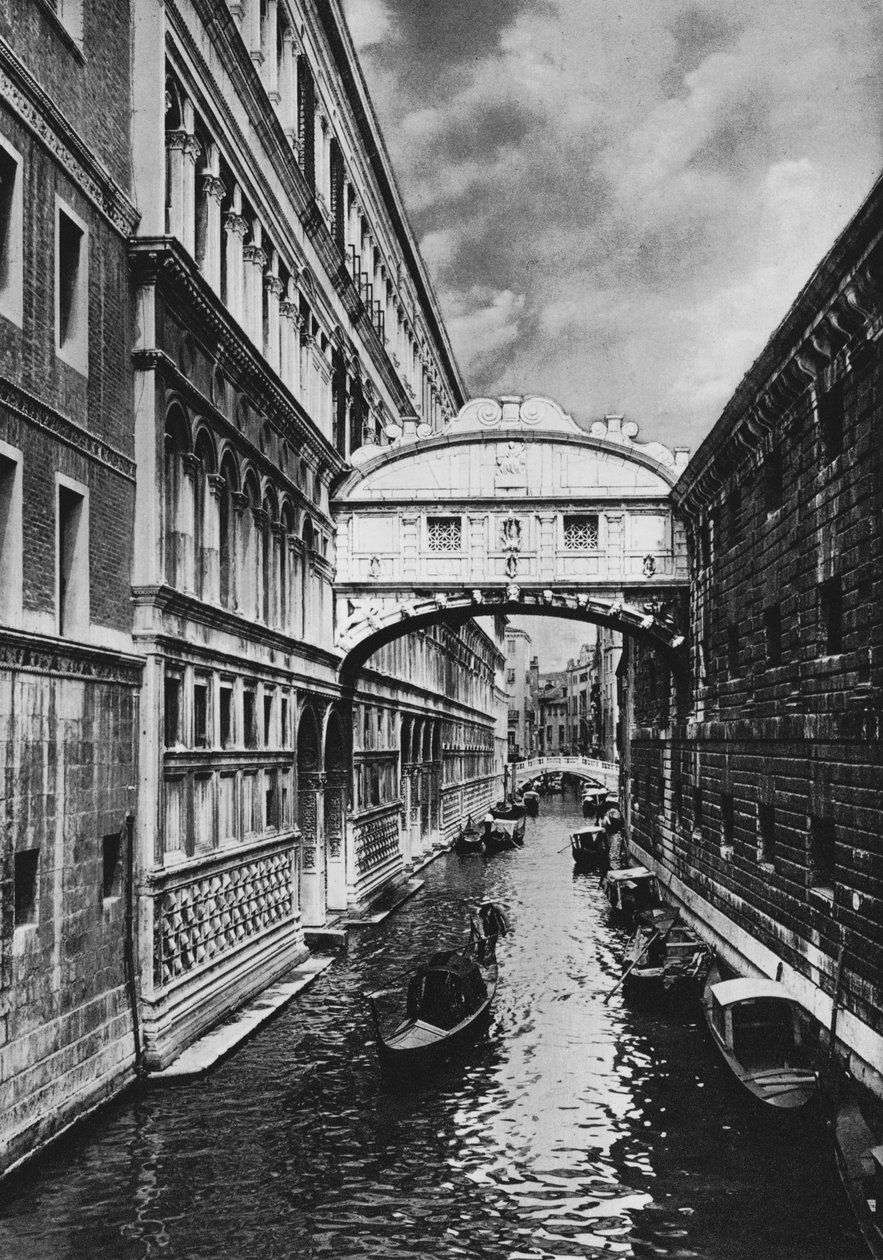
(521, 694)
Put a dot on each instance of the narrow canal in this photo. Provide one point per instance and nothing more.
(576, 1129)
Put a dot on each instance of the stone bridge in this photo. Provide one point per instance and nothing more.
(606, 772)
(512, 508)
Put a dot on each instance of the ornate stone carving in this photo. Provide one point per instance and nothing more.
(648, 565)
(35, 412)
(202, 920)
(377, 840)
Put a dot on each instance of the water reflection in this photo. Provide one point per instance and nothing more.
(575, 1129)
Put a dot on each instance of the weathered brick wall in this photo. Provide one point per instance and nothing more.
(91, 86)
(65, 1022)
(775, 739)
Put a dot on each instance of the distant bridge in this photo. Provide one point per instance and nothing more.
(606, 772)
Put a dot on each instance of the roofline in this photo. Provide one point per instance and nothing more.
(353, 80)
(853, 245)
(402, 450)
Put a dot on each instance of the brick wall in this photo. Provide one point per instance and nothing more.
(65, 1024)
(755, 771)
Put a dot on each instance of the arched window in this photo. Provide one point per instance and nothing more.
(251, 547)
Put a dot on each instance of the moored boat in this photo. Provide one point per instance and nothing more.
(588, 848)
(762, 1033)
(502, 833)
(448, 1001)
(665, 961)
(859, 1146)
(468, 839)
(531, 803)
(594, 801)
(631, 890)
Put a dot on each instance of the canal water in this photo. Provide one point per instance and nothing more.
(575, 1129)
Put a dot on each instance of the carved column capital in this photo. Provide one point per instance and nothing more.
(239, 501)
(260, 517)
(191, 464)
(273, 285)
(236, 224)
(216, 484)
(254, 254)
(213, 187)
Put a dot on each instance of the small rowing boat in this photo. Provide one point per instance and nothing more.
(860, 1163)
(468, 839)
(630, 891)
(664, 962)
(448, 1000)
(588, 848)
(762, 1033)
(531, 803)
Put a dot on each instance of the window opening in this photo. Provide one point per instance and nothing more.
(580, 533)
(200, 714)
(72, 561)
(766, 830)
(26, 881)
(831, 415)
(11, 269)
(172, 710)
(226, 714)
(72, 305)
(249, 718)
(831, 607)
(444, 533)
(822, 852)
(112, 867)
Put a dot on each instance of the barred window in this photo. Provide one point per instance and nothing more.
(444, 533)
(580, 533)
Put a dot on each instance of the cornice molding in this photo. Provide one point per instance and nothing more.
(39, 113)
(163, 262)
(220, 26)
(60, 658)
(37, 413)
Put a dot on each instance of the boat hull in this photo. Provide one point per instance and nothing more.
(780, 1090)
(854, 1140)
(416, 1047)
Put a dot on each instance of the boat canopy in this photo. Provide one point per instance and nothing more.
(729, 992)
(446, 989)
(633, 872)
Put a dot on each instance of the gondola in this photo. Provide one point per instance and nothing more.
(860, 1163)
(468, 839)
(500, 834)
(664, 963)
(448, 1001)
(531, 803)
(594, 802)
(630, 891)
(588, 848)
(762, 1033)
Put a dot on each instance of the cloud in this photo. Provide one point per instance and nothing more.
(617, 203)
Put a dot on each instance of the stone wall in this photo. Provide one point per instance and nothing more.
(755, 776)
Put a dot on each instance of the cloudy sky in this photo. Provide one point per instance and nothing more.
(618, 199)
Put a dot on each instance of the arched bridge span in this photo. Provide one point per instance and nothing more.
(606, 772)
(513, 508)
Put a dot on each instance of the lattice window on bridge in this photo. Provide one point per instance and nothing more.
(580, 533)
(444, 533)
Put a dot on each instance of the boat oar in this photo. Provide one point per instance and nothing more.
(630, 968)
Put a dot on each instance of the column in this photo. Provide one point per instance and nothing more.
(212, 190)
(211, 538)
(271, 65)
(288, 87)
(289, 366)
(186, 519)
(274, 289)
(239, 502)
(236, 230)
(255, 561)
(311, 791)
(335, 833)
(255, 261)
(307, 372)
(251, 30)
(182, 150)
